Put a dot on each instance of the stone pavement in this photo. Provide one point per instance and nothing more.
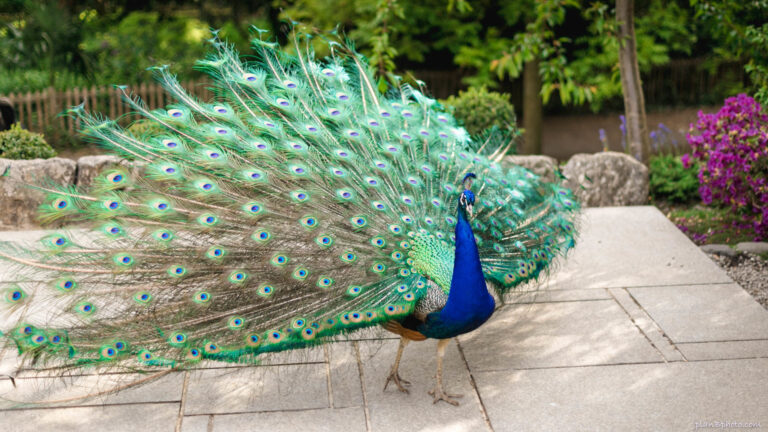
(638, 330)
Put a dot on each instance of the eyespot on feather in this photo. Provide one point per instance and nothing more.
(261, 236)
(324, 240)
(14, 295)
(236, 323)
(324, 282)
(265, 290)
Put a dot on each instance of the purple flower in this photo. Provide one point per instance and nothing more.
(686, 160)
(732, 145)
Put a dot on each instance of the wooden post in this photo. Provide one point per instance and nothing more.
(94, 99)
(53, 109)
(151, 96)
(37, 105)
(118, 102)
(70, 104)
(16, 101)
(634, 102)
(160, 96)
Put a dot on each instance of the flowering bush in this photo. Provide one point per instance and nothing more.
(732, 146)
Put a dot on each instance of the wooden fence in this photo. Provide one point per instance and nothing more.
(45, 111)
(688, 82)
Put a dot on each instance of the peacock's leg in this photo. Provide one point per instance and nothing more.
(438, 392)
(393, 375)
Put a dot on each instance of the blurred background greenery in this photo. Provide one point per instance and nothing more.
(66, 43)
(691, 53)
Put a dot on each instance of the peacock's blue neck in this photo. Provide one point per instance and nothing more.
(469, 303)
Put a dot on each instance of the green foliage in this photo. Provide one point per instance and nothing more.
(144, 39)
(44, 38)
(540, 41)
(661, 29)
(145, 128)
(17, 143)
(29, 80)
(711, 225)
(46, 34)
(49, 45)
(63, 44)
(479, 109)
(741, 30)
(394, 33)
(671, 181)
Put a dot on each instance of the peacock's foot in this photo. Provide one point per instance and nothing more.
(440, 395)
(399, 382)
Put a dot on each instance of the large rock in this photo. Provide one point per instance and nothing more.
(19, 202)
(607, 179)
(542, 166)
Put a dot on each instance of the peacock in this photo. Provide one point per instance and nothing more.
(300, 204)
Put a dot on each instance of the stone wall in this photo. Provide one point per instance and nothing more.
(19, 200)
(598, 180)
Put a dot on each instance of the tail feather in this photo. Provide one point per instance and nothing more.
(293, 208)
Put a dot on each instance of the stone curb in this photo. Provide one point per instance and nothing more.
(754, 248)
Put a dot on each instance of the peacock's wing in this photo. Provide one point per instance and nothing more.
(275, 217)
(432, 257)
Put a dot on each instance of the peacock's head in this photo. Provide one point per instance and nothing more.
(467, 198)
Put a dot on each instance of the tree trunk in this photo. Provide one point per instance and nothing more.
(634, 102)
(532, 108)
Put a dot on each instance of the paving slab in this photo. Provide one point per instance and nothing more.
(633, 246)
(662, 397)
(704, 313)
(544, 294)
(346, 388)
(70, 389)
(160, 417)
(321, 420)
(601, 345)
(392, 410)
(196, 423)
(263, 388)
(645, 324)
(557, 335)
(724, 350)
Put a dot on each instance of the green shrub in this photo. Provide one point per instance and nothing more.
(145, 128)
(671, 181)
(479, 109)
(17, 143)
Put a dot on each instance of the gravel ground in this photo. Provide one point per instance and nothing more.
(749, 271)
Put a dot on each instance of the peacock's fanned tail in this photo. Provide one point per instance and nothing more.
(299, 205)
